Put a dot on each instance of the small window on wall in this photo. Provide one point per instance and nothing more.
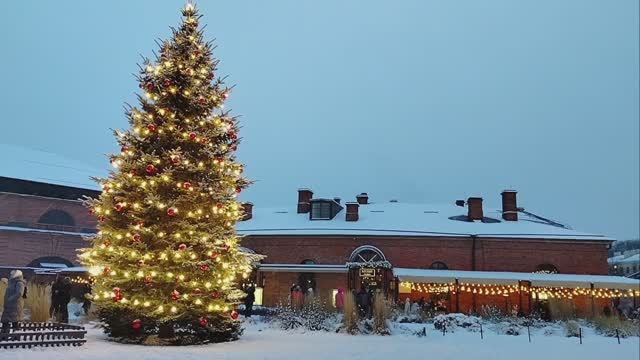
(546, 269)
(438, 265)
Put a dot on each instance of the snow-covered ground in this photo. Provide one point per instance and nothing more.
(261, 341)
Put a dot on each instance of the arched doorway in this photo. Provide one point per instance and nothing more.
(369, 269)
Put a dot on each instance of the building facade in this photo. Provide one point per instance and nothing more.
(41, 224)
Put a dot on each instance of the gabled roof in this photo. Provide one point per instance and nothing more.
(403, 219)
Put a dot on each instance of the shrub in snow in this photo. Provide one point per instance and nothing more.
(571, 328)
(508, 328)
(561, 309)
(607, 326)
(312, 316)
(449, 322)
(491, 313)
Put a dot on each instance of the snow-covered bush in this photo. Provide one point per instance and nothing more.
(508, 327)
(450, 322)
(312, 316)
(491, 313)
(607, 326)
(571, 328)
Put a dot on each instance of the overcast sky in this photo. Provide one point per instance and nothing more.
(421, 101)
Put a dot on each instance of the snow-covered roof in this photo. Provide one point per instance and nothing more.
(512, 278)
(403, 219)
(44, 166)
(633, 259)
(23, 229)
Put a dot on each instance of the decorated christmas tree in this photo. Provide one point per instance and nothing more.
(166, 259)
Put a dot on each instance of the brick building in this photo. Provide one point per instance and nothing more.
(417, 250)
(41, 225)
(462, 254)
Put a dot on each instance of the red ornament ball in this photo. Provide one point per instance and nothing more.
(214, 255)
(182, 247)
(150, 169)
(171, 212)
(167, 83)
(215, 295)
(234, 315)
(238, 189)
(119, 207)
(175, 295)
(152, 127)
(204, 267)
(136, 237)
(225, 95)
(175, 160)
(106, 270)
(204, 322)
(186, 185)
(192, 135)
(136, 324)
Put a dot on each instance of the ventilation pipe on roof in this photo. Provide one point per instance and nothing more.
(247, 211)
(362, 198)
(304, 200)
(474, 207)
(352, 211)
(509, 205)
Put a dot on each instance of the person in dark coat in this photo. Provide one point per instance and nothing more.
(363, 301)
(248, 301)
(60, 297)
(13, 301)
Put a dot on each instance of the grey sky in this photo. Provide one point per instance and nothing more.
(422, 101)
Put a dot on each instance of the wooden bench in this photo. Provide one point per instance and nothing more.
(30, 334)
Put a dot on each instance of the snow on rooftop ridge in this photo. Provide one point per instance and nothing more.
(404, 219)
(45, 166)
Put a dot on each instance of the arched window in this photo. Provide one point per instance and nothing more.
(50, 262)
(546, 269)
(57, 217)
(366, 253)
(438, 265)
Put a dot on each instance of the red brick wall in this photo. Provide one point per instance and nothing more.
(28, 209)
(520, 255)
(19, 248)
(278, 284)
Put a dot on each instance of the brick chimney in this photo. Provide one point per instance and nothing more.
(474, 206)
(247, 211)
(304, 200)
(352, 211)
(509, 205)
(362, 198)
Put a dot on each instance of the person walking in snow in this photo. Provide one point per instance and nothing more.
(248, 301)
(339, 299)
(13, 301)
(60, 298)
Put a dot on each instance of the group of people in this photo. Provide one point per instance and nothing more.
(364, 300)
(16, 293)
(297, 296)
(414, 307)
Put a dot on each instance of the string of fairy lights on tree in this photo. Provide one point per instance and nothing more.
(166, 246)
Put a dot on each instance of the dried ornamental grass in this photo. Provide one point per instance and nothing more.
(38, 301)
(382, 309)
(350, 318)
(3, 289)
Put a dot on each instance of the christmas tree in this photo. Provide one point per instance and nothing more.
(166, 258)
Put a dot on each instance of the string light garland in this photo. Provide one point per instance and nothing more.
(506, 290)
